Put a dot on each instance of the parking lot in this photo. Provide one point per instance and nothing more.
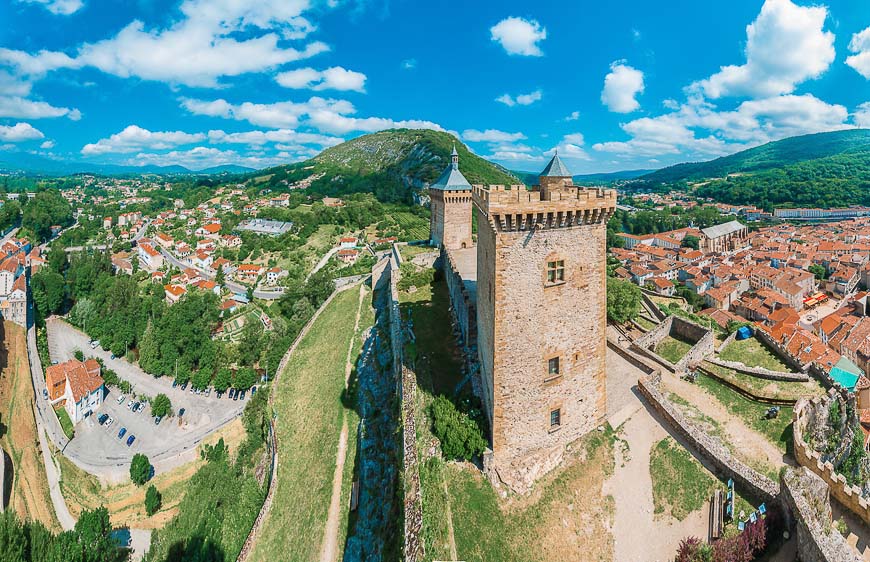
(98, 448)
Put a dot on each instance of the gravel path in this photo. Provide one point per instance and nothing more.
(638, 534)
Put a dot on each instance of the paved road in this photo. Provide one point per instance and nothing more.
(47, 424)
(231, 285)
(98, 449)
(322, 262)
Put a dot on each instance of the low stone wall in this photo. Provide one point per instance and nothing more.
(412, 543)
(636, 360)
(731, 337)
(806, 496)
(849, 496)
(708, 447)
(780, 351)
(702, 337)
(3, 497)
(759, 372)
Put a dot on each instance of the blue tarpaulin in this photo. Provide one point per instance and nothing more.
(744, 332)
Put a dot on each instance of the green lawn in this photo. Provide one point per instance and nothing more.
(681, 485)
(644, 323)
(753, 353)
(763, 388)
(778, 430)
(672, 348)
(308, 408)
(65, 422)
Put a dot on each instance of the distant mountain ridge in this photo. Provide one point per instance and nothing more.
(774, 154)
(23, 162)
(819, 170)
(395, 165)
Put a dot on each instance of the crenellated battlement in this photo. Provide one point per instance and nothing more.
(517, 208)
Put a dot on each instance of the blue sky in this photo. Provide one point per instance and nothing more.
(613, 85)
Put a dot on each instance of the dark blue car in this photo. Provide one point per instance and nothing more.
(130, 440)
(122, 433)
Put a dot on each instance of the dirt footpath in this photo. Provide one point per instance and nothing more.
(29, 497)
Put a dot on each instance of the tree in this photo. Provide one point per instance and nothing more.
(153, 500)
(223, 379)
(219, 277)
(250, 294)
(249, 343)
(623, 300)
(94, 537)
(818, 270)
(140, 469)
(246, 377)
(691, 241)
(161, 405)
(79, 355)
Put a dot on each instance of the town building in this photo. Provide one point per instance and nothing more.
(77, 386)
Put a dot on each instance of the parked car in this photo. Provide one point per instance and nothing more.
(184, 386)
(102, 419)
(135, 407)
(95, 344)
(174, 384)
(130, 440)
(232, 395)
(122, 433)
(130, 405)
(181, 412)
(242, 397)
(219, 394)
(112, 355)
(253, 390)
(110, 421)
(121, 399)
(157, 420)
(45, 393)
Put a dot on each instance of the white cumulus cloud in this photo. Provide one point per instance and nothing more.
(785, 45)
(22, 108)
(59, 7)
(49, 144)
(19, 132)
(198, 49)
(860, 46)
(491, 135)
(621, 87)
(519, 36)
(522, 99)
(861, 116)
(134, 138)
(335, 78)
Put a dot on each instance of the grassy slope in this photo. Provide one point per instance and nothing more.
(753, 353)
(309, 415)
(29, 496)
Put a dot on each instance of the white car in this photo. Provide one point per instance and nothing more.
(121, 399)
(130, 405)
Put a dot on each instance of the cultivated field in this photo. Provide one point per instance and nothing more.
(29, 496)
(309, 410)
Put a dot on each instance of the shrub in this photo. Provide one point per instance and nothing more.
(79, 355)
(140, 469)
(691, 549)
(153, 500)
(460, 436)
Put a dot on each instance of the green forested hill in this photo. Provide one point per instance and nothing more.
(824, 169)
(392, 164)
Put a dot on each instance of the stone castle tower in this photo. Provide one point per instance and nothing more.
(450, 219)
(541, 318)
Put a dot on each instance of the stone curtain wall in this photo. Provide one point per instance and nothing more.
(461, 302)
(780, 351)
(806, 496)
(273, 442)
(412, 544)
(3, 497)
(710, 448)
(674, 325)
(760, 372)
(850, 496)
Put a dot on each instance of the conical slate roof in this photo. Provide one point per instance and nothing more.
(452, 179)
(556, 169)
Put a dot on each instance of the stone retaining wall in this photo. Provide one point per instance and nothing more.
(780, 351)
(849, 496)
(806, 496)
(2, 480)
(760, 372)
(708, 447)
(731, 337)
(702, 337)
(412, 544)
